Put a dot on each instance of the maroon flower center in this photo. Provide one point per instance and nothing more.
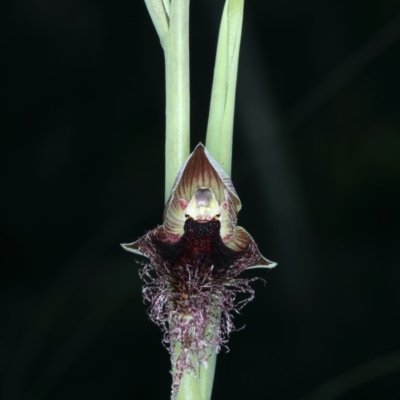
(200, 246)
(200, 237)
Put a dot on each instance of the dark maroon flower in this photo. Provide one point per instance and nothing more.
(191, 282)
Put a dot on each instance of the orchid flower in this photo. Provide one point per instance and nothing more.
(196, 256)
(191, 281)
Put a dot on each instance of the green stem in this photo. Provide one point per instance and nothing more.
(222, 107)
(159, 15)
(199, 386)
(189, 388)
(206, 376)
(176, 51)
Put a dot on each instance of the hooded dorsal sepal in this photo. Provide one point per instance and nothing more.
(201, 177)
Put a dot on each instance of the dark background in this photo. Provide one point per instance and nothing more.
(316, 163)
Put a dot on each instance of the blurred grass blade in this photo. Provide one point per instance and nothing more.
(222, 107)
(357, 376)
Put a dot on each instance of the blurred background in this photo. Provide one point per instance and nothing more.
(316, 163)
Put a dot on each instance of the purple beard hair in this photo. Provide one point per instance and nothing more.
(191, 287)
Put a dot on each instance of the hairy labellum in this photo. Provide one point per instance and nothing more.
(201, 247)
(191, 282)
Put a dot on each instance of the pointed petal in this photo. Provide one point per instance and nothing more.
(242, 241)
(174, 218)
(141, 246)
(132, 247)
(269, 266)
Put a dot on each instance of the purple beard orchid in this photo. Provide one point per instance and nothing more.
(191, 282)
